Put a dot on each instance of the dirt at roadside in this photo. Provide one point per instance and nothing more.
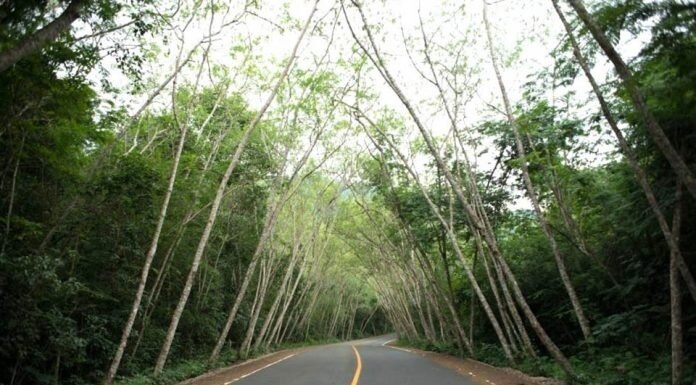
(481, 373)
(231, 373)
(484, 374)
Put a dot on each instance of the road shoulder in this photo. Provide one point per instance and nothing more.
(229, 374)
(480, 372)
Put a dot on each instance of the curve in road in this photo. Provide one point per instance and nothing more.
(366, 362)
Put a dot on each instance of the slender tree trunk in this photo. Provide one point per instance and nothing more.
(437, 311)
(284, 329)
(641, 177)
(31, 43)
(307, 318)
(459, 331)
(351, 322)
(205, 282)
(629, 82)
(521, 330)
(10, 206)
(333, 320)
(164, 353)
(156, 288)
(416, 299)
(472, 317)
(560, 260)
(135, 307)
(278, 326)
(279, 296)
(488, 237)
(363, 324)
(429, 314)
(288, 328)
(501, 309)
(267, 273)
(270, 221)
(455, 244)
(576, 236)
(675, 296)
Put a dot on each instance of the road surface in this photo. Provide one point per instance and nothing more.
(366, 362)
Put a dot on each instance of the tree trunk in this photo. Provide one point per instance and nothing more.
(675, 296)
(651, 124)
(630, 158)
(455, 244)
(50, 32)
(288, 328)
(135, 307)
(164, 353)
(501, 309)
(267, 273)
(307, 318)
(10, 206)
(531, 193)
(267, 229)
(275, 330)
(521, 330)
(279, 296)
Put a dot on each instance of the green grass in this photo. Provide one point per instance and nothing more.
(179, 371)
(605, 366)
(183, 370)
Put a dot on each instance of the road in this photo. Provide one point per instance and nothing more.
(366, 362)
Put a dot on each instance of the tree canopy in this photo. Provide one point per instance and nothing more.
(185, 184)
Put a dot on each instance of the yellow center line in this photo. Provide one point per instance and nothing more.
(358, 367)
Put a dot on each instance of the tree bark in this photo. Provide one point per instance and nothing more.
(455, 245)
(488, 235)
(164, 353)
(279, 296)
(275, 330)
(531, 193)
(266, 273)
(135, 307)
(631, 158)
(10, 205)
(501, 309)
(677, 336)
(31, 43)
(629, 82)
(260, 246)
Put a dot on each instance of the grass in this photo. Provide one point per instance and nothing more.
(183, 370)
(594, 365)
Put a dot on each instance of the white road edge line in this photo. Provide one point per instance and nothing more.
(259, 369)
(398, 348)
(386, 342)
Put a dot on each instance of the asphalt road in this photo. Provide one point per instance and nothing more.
(365, 362)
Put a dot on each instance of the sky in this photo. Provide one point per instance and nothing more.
(525, 34)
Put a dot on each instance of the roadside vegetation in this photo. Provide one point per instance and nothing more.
(187, 184)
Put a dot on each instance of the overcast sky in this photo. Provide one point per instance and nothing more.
(525, 34)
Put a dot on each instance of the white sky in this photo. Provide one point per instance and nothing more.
(525, 33)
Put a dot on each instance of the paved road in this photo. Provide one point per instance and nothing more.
(365, 362)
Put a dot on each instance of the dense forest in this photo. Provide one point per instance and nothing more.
(189, 183)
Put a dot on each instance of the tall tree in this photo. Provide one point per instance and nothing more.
(531, 192)
(164, 353)
(681, 169)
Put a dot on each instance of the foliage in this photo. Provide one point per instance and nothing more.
(360, 216)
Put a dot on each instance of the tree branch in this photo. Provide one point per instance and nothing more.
(50, 32)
